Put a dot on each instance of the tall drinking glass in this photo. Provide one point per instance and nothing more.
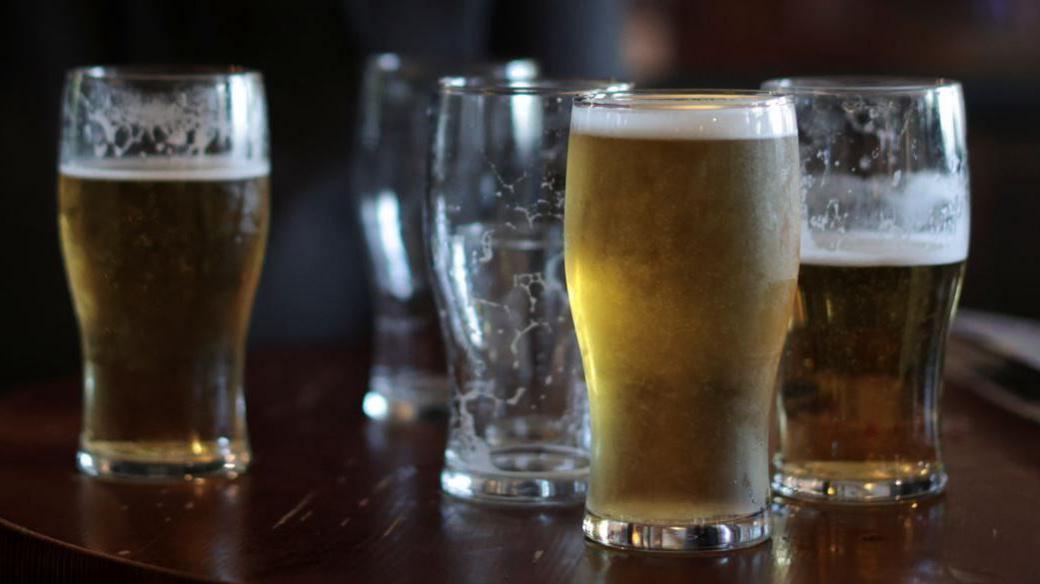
(518, 430)
(407, 379)
(682, 258)
(884, 242)
(163, 206)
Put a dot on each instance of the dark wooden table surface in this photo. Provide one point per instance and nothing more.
(335, 498)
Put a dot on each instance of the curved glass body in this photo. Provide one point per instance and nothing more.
(518, 430)
(682, 256)
(163, 208)
(408, 379)
(885, 225)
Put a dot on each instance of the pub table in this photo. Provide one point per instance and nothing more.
(333, 497)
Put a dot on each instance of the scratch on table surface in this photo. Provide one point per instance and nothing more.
(537, 556)
(393, 525)
(345, 521)
(306, 516)
(401, 474)
(971, 577)
(292, 512)
(150, 543)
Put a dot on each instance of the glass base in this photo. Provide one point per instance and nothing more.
(407, 397)
(529, 476)
(729, 534)
(927, 483)
(102, 466)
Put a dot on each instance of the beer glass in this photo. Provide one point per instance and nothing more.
(884, 242)
(682, 260)
(407, 379)
(518, 417)
(163, 203)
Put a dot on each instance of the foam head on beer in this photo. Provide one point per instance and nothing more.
(926, 220)
(209, 168)
(680, 118)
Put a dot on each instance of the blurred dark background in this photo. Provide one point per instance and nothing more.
(313, 288)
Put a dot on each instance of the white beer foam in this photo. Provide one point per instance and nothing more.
(929, 220)
(212, 168)
(874, 249)
(707, 119)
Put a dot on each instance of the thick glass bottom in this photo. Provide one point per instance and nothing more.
(162, 461)
(526, 475)
(721, 535)
(859, 482)
(406, 397)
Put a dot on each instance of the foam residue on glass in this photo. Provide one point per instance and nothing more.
(874, 193)
(189, 122)
(519, 406)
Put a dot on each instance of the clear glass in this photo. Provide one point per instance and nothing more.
(407, 380)
(682, 261)
(518, 430)
(163, 206)
(885, 223)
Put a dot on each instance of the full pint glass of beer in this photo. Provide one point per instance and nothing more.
(682, 258)
(163, 209)
(884, 242)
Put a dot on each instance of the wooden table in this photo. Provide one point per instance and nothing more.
(335, 498)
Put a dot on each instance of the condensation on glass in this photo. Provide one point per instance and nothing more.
(682, 260)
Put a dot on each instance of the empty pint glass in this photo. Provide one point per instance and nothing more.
(884, 242)
(408, 379)
(519, 411)
(682, 258)
(163, 205)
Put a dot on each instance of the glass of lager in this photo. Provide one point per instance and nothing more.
(682, 259)
(163, 204)
(884, 240)
(519, 414)
(407, 380)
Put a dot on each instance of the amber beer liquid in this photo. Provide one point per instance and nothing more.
(163, 259)
(862, 367)
(682, 258)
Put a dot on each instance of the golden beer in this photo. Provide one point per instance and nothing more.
(862, 369)
(886, 223)
(682, 258)
(163, 262)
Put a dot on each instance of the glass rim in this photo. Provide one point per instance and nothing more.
(865, 84)
(391, 61)
(163, 72)
(482, 85)
(683, 99)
